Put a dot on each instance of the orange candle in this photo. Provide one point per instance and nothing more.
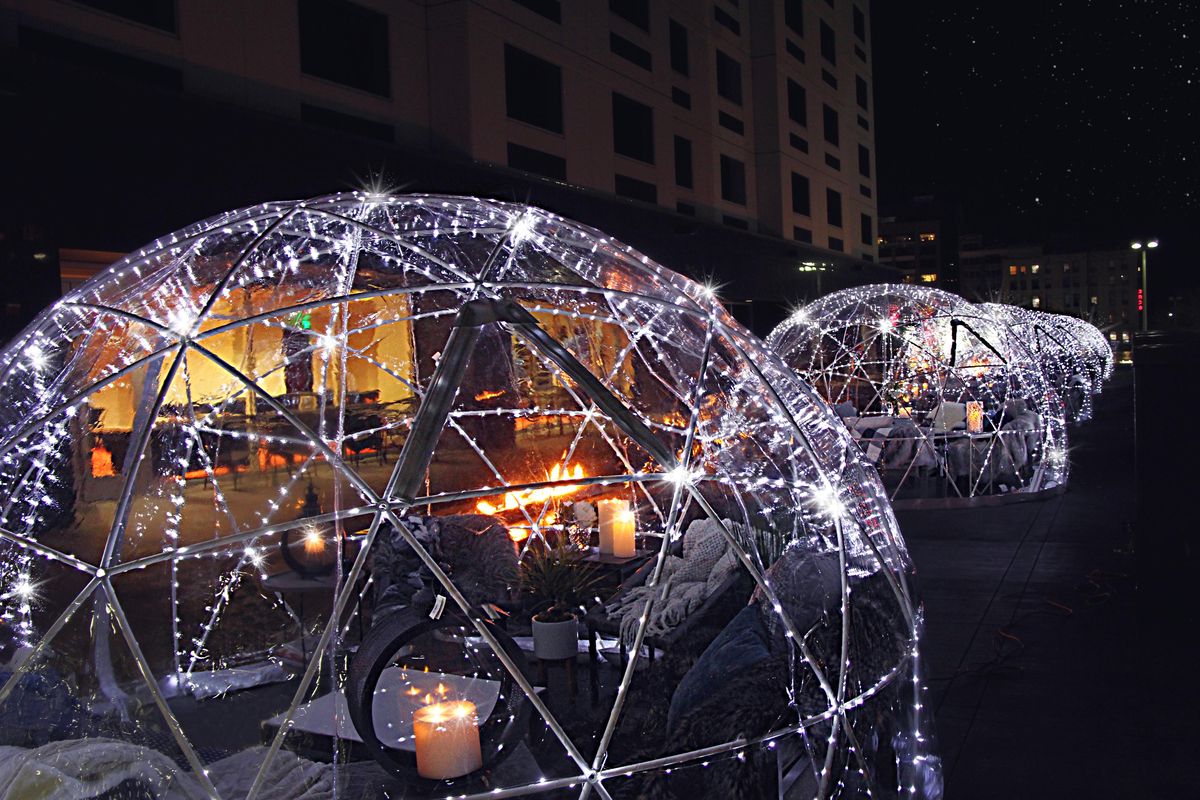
(974, 416)
(446, 736)
(623, 528)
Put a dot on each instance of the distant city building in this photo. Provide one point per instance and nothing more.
(752, 116)
(1101, 286)
(920, 239)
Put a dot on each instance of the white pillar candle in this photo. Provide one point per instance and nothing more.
(623, 528)
(447, 740)
(608, 511)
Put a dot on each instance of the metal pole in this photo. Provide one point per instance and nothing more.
(1145, 296)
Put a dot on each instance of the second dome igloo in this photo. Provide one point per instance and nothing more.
(237, 455)
(943, 396)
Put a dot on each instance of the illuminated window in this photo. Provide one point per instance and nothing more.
(1024, 269)
(1034, 269)
(1037, 301)
(928, 237)
(928, 277)
(1012, 269)
(1112, 336)
(1095, 300)
(1066, 267)
(1125, 336)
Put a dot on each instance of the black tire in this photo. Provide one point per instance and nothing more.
(498, 734)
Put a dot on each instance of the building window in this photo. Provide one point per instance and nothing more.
(836, 244)
(1034, 269)
(828, 43)
(864, 161)
(633, 128)
(635, 12)
(727, 20)
(681, 98)
(928, 237)
(801, 234)
(345, 43)
(861, 92)
(801, 200)
(634, 189)
(929, 277)
(1037, 301)
(860, 24)
(683, 162)
(155, 13)
(1012, 269)
(865, 222)
(733, 180)
(793, 16)
(529, 160)
(831, 124)
(550, 9)
(533, 90)
(833, 161)
(729, 78)
(794, 51)
(833, 208)
(730, 122)
(798, 142)
(629, 51)
(679, 47)
(797, 103)
(829, 78)
(685, 208)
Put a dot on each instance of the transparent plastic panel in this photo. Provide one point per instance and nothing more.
(377, 531)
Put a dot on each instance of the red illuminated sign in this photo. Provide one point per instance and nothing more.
(1141, 301)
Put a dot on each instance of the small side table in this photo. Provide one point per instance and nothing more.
(290, 582)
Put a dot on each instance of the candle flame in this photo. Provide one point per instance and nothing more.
(313, 543)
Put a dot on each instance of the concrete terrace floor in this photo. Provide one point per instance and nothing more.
(1043, 680)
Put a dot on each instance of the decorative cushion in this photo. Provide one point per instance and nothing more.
(950, 416)
(741, 643)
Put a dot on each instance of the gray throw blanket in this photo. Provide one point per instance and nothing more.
(686, 582)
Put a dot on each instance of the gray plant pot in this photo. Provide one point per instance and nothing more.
(555, 640)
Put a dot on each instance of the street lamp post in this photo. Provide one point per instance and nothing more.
(1145, 296)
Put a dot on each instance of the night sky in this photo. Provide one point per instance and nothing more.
(1076, 122)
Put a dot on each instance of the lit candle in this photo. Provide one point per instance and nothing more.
(608, 511)
(623, 526)
(974, 416)
(446, 736)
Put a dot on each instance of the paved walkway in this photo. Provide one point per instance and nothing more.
(1037, 675)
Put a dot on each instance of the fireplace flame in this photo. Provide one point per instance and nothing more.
(520, 499)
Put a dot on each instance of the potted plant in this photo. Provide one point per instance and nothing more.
(557, 581)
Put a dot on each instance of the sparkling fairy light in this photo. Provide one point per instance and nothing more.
(330, 368)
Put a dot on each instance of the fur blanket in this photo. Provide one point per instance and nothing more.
(81, 769)
(473, 549)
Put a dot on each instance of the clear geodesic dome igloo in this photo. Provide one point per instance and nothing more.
(1064, 360)
(943, 398)
(332, 497)
(1099, 353)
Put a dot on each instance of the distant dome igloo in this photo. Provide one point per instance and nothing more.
(943, 396)
(1056, 346)
(317, 464)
